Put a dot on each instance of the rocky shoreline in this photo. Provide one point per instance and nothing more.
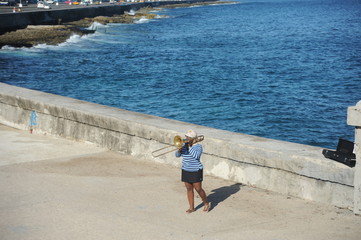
(56, 34)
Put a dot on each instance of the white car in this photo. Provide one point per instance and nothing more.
(86, 2)
(42, 4)
(49, 1)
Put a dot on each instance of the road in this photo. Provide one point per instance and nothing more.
(33, 7)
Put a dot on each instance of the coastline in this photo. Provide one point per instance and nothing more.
(56, 34)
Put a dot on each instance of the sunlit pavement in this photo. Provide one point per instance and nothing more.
(52, 188)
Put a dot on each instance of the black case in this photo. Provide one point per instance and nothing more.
(343, 154)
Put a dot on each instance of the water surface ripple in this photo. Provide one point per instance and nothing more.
(279, 69)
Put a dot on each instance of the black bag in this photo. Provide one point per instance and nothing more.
(343, 154)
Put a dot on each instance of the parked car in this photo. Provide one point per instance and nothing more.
(86, 2)
(71, 2)
(42, 4)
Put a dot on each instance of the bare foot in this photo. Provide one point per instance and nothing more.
(190, 210)
(207, 206)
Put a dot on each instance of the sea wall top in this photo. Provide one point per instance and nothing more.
(250, 150)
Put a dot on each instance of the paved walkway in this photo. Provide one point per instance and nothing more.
(53, 189)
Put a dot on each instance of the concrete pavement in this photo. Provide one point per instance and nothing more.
(52, 188)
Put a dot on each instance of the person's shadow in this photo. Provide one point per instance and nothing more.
(220, 194)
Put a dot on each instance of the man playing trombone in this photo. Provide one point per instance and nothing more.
(192, 169)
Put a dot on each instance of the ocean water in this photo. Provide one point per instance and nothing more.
(281, 69)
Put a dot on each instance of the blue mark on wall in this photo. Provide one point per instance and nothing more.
(33, 120)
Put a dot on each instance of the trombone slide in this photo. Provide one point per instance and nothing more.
(177, 144)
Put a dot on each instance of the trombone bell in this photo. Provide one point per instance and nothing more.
(177, 144)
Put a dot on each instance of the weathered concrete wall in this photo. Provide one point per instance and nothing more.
(354, 119)
(13, 21)
(284, 167)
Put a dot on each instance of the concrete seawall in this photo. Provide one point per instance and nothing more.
(288, 168)
(11, 21)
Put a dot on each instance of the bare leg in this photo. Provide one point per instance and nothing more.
(190, 195)
(198, 187)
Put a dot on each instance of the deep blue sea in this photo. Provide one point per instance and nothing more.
(281, 69)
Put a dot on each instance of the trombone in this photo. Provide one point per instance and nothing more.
(177, 144)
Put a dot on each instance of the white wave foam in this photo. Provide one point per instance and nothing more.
(161, 16)
(23, 51)
(96, 25)
(33, 49)
(74, 39)
(142, 20)
(8, 48)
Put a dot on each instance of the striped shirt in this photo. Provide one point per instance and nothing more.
(191, 158)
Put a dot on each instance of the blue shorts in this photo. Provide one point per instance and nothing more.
(192, 177)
